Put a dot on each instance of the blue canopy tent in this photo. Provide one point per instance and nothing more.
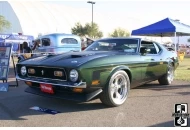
(164, 28)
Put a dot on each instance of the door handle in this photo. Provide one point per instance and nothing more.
(152, 59)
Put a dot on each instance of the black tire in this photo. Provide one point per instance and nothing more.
(168, 77)
(117, 87)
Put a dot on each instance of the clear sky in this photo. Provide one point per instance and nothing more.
(133, 14)
(146, 10)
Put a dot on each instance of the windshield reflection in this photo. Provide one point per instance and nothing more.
(124, 45)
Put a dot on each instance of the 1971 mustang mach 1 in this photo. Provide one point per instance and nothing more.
(107, 69)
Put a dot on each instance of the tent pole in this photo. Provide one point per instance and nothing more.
(175, 41)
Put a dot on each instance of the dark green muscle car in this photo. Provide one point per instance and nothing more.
(107, 69)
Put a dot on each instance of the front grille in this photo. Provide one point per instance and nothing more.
(46, 72)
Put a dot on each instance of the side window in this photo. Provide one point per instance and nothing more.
(150, 46)
(158, 49)
(45, 42)
(69, 41)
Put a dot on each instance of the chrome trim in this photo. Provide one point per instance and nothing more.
(72, 85)
(44, 78)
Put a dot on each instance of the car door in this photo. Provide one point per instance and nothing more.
(153, 64)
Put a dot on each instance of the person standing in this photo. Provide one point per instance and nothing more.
(26, 48)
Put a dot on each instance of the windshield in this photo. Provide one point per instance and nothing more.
(125, 45)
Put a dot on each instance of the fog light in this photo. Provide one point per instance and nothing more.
(31, 71)
(58, 73)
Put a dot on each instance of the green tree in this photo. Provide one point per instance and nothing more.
(119, 32)
(87, 30)
(4, 24)
(78, 30)
(93, 31)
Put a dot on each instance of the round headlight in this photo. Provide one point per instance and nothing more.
(23, 70)
(73, 75)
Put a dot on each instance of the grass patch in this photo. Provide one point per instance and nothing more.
(183, 70)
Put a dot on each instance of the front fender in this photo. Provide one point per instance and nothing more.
(117, 68)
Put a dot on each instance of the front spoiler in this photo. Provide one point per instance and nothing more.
(81, 97)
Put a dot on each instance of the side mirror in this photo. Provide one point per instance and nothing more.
(144, 50)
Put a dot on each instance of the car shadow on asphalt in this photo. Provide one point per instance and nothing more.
(17, 107)
(154, 86)
(158, 87)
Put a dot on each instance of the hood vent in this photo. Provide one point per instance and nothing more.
(76, 56)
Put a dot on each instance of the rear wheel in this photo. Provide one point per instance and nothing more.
(168, 77)
(116, 91)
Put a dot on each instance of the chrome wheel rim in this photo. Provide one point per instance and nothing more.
(170, 74)
(118, 89)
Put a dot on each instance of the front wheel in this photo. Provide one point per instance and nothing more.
(116, 91)
(168, 77)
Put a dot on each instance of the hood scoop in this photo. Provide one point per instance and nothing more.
(76, 56)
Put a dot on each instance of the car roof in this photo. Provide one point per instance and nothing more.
(118, 38)
(146, 40)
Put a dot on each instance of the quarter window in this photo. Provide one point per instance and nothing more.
(69, 41)
(158, 49)
(151, 46)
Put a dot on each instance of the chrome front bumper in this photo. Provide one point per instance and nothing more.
(54, 82)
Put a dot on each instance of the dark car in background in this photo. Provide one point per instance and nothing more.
(107, 69)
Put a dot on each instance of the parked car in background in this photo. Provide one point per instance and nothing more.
(58, 43)
(107, 69)
(54, 43)
(168, 45)
(170, 48)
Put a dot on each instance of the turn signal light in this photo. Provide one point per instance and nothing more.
(28, 83)
(95, 82)
(78, 90)
(58, 73)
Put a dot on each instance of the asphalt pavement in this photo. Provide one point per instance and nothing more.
(147, 105)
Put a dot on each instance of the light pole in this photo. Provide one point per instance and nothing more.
(91, 2)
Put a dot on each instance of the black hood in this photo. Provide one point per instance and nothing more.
(70, 59)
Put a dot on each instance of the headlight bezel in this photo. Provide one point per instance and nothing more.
(73, 75)
(23, 70)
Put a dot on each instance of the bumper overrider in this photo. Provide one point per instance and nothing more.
(82, 97)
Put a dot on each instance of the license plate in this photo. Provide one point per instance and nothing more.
(47, 88)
